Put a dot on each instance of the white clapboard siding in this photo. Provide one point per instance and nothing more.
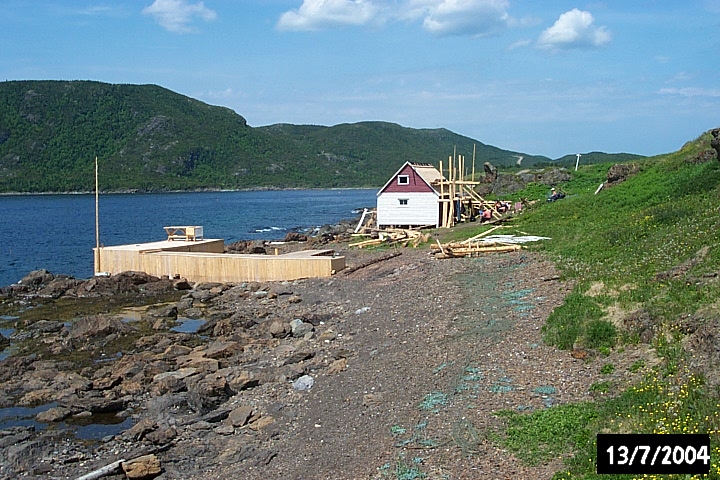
(421, 208)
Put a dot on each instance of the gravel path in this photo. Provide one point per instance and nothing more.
(435, 347)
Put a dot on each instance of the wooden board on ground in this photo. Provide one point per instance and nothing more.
(391, 236)
(459, 249)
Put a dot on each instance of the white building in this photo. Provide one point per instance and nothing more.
(409, 198)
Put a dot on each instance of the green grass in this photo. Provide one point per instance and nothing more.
(655, 405)
(549, 433)
(645, 241)
(600, 333)
(567, 323)
(627, 234)
(600, 387)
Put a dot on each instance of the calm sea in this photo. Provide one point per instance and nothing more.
(57, 232)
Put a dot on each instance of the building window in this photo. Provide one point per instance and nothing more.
(403, 179)
(403, 201)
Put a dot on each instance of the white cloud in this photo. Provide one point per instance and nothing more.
(318, 14)
(439, 17)
(177, 15)
(97, 10)
(462, 17)
(520, 44)
(691, 92)
(574, 29)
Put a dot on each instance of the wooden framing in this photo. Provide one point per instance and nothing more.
(458, 200)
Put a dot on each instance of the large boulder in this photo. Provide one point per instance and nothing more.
(620, 172)
(246, 246)
(58, 287)
(124, 282)
(208, 392)
(491, 173)
(145, 467)
(93, 401)
(37, 277)
(296, 237)
(97, 326)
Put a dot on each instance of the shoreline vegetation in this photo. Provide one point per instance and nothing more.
(148, 138)
(133, 191)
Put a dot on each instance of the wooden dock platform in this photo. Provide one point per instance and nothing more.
(204, 261)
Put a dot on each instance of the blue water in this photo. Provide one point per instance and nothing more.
(92, 428)
(57, 232)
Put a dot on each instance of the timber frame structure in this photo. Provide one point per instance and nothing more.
(458, 200)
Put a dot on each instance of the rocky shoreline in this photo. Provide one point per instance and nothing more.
(313, 379)
(102, 364)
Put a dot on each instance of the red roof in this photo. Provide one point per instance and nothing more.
(420, 178)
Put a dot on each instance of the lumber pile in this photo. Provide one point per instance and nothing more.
(459, 249)
(473, 247)
(394, 236)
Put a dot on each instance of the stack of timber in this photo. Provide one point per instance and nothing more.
(458, 249)
(473, 247)
(393, 236)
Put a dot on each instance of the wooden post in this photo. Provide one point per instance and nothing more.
(441, 203)
(473, 165)
(97, 220)
(451, 198)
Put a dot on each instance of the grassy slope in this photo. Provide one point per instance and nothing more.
(620, 239)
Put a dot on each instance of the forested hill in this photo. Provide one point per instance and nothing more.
(149, 138)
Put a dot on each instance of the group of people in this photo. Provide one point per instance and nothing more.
(485, 213)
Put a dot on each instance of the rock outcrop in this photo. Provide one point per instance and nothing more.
(497, 183)
(620, 172)
(715, 142)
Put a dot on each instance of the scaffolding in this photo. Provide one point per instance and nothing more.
(459, 202)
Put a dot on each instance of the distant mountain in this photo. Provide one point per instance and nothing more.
(148, 138)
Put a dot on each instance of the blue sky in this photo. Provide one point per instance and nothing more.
(542, 77)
